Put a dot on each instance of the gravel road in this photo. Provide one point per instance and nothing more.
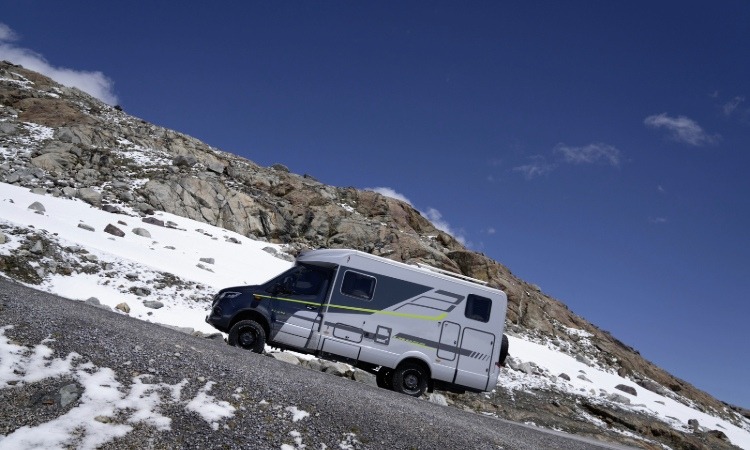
(260, 390)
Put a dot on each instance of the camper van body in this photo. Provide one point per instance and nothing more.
(377, 314)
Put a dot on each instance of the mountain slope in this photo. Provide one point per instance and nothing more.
(61, 142)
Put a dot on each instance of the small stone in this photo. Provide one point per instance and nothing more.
(153, 304)
(103, 419)
(123, 307)
(86, 227)
(208, 260)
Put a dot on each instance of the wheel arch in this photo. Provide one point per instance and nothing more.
(252, 315)
(420, 360)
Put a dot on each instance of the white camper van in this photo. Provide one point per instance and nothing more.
(415, 327)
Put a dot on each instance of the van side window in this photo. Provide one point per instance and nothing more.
(358, 285)
(478, 308)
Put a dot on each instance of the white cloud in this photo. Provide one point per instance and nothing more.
(536, 168)
(657, 220)
(730, 106)
(6, 34)
(389, 192)
(491, 230)
(589, 154)
(94, 83)
(681, 129)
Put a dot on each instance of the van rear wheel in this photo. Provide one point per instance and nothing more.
(248, 334)
(410, 379)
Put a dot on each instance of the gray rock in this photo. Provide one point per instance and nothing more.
(270, 250)
(201, 266)
(90, 196)
(438, 399)
(208, 260)
(338, 369)
(364, 377)
(39, 191)
(153, 304)
(69, 394)
(628, 389)
(141, 232)
(7, 128)
(286, 357)
(86, 227)
(215, 166)
(694, 424)
(280, 168)
(111, 209)
(38, 207)
(93, 301)
(124, 307)
(3, 238)
(584, 378)
(185, 330)
(615, 397)
(69, 192)
(652, 386)
(184, 161)
(37, 248)
(564, 376)
(55, 162)
(113, 230)
(153, 221)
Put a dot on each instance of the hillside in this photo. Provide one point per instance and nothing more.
(59, 142)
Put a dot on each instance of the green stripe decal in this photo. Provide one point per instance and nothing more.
(353, 308)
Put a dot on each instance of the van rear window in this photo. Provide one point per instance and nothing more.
(478, 308)
(358, 285)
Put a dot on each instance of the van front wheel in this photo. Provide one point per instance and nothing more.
(248, 334)
(410, 379)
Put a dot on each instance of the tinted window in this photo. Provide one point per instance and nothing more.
(358, 285)
(478, 308)
(299, 280)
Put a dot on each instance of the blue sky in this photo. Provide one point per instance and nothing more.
(598, 149)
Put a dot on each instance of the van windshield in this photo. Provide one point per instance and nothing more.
(302, 279)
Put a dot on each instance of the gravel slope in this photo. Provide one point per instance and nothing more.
(342, 413)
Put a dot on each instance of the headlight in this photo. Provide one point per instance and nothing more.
(229, 294)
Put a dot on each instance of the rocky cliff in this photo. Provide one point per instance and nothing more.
(60, 141)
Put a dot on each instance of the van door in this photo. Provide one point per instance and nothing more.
(296, 304)
(448, 341)
(475, 358)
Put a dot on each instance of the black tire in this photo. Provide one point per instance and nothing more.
(384, 378)
(410, 379)
(504, 347)
(248, 334)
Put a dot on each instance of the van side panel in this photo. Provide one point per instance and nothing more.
(412, 313)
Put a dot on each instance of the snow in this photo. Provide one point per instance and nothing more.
(139, 262)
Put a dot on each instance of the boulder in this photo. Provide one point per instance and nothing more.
(141, 232)
(153, 304)
(124, 307)
(286, 357)
(625, 388)
(90, 196)
(37, 207)
(86, 227)
(184, 161)
(113, 230)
